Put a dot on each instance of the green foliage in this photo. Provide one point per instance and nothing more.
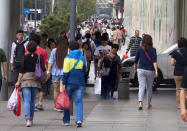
(60, 19)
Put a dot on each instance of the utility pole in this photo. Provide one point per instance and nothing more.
(45, 7)
(23, 18)
(35, 15)
(72, 19)
(72, 32)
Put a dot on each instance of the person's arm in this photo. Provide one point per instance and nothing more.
(19, 80)
(173, 61)
(66, 70)
(12, 56)
(136, 60)
(129, 46)
(50, 63)
(5, 71)
(183, 105)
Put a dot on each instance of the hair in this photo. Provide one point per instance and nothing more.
(61, 51)
(147, 41)
(19, 31)
(98, 35)
(34, 37)
(115, 46)
(73, 45)
(104, 37)
(88, 35)
(31, 47)
(182, 42)
(44, 35)
(51, 40)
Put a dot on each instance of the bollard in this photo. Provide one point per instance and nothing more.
(123, 89)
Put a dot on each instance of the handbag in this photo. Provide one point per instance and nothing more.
(13, 100)
(39, 74)
(17, 110)
(97, 86)
(106, 71)
(147, 55)
(63, 102)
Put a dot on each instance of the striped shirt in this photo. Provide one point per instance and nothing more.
(134, 44)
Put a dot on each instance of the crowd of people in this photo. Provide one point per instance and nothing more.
(66, 65)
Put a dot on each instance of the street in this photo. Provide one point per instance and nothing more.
(104, 115)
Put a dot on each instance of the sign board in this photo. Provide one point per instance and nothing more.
(27, 11)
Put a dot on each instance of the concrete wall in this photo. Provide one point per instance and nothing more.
(155, 17)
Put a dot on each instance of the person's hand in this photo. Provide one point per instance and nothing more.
(135, 68)
(12, 68)
(156, 74)
(17, 84)
(48, 76)
(62, 88)
(184, 115)
(5, 78)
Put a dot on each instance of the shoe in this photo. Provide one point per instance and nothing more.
(79, 124)
(40, 107)
(66, 124)
(112, 98)
(140, 106)
(59, 110)
(149, 106)
(28, 123)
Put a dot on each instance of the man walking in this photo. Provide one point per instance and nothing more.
(134, 44)
(3, 60)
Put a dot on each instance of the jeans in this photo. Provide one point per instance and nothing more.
(29, 94)
(145, 78)
(78, 92)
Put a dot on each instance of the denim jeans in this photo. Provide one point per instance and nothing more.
(29, 94)
(78, 92)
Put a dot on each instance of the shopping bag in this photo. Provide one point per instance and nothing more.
(63, 102)
(13, 100)
(125, 56)
(17, 110)
(97, 86)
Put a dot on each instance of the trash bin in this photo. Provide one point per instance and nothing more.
(123, 89)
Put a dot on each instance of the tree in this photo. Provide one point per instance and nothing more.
(60, 19)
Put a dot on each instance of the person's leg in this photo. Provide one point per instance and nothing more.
(150, 79)
(0, 84)
(178, 81)
(34, 92)
(78, 94)
(27, 102)
(142, 84)
(66, 118)
(16, 73)
(56, 90)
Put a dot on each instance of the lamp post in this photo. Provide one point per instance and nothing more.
(35, 4)
(72, 20)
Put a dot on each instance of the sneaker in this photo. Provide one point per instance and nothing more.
(59, 110)
(79, 124)
(40, 107)
(28, 123)
(140, 107)
(112, 98)
(67, 124)
(149, 106)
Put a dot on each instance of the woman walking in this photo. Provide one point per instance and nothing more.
(147, 69)
(55, 66)
(179, 60)
(29, 83)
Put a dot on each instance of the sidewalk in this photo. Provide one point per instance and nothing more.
(104, 115)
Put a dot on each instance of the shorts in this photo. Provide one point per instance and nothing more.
(57, 79)
(43, 88)
(184, 81)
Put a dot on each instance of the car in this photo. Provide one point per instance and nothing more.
(165, 70)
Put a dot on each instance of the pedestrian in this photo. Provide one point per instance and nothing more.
(179, 61)
(134, 44)
(74, 70)
(113, 63)
(55, 66)
(120, 36)
(183, 96)
(43, 53)
(147, 58)
(114, 32)
(3, 61)
(17, 53)
(43, 42)
(29, 83)
(101, 52)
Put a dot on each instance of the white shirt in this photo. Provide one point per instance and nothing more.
(13, 50)
(102, 50)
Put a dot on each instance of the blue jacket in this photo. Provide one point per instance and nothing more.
(77, 75)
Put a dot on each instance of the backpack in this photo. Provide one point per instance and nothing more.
(19, 53)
